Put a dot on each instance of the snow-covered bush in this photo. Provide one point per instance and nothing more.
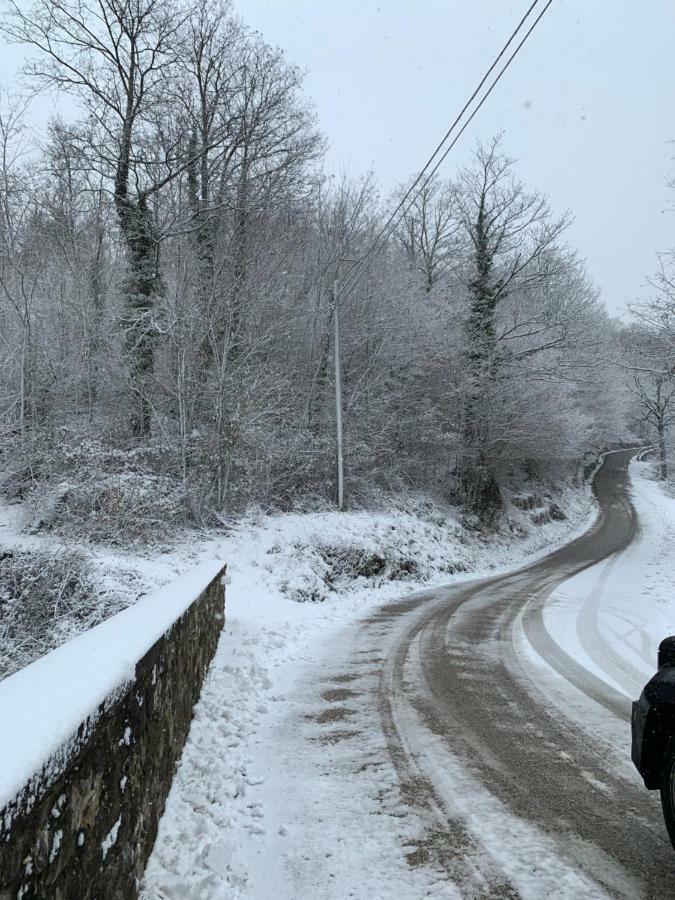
(45, 599)
(119, 509)
(316, 556)
(87, 487)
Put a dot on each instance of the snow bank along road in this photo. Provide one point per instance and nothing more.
(455, 695)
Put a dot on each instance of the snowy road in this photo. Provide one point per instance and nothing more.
(484, 729)
(468, 741)
(456, 684)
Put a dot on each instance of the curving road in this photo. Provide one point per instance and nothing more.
(478, 747)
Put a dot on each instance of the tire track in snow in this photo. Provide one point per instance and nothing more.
(454, 699)
(447, 842)
(593, 641)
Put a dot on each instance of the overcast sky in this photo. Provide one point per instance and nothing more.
(587, 107)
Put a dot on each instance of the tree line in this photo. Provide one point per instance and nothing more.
(167, 270)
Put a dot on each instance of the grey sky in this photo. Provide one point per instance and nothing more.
(587, 108)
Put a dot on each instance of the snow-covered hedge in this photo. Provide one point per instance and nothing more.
(120, 509)
(87, 487)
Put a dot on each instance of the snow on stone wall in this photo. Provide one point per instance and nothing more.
(90, 737)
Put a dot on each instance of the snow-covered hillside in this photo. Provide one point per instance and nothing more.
(57, 586)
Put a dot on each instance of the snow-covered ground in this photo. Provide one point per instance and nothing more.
(273, 797)
(612, 617)
(281, 791)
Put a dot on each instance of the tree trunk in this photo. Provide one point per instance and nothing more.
(478, 480)
(143, 282)
(240, 271)
(661, 436)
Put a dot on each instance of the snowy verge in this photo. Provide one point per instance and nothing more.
(611, 617)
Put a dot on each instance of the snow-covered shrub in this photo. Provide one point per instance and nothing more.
(526, 501)
(277, 469)
(87, 487)
(16, 482)
(556, 514)
(117, 509)
(351, 561)
(46, 598)
(541, 517)
(317, 556)
(347, 562)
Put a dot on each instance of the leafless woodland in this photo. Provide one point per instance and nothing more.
(169, 263)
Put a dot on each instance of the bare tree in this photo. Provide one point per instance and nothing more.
(116, 57)
(507, 232)
(428, 230)
(655, 394)
(647, 354)
(78, 214)
(21, 267)
(649, 349)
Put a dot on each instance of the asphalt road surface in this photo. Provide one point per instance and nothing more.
(452, 682)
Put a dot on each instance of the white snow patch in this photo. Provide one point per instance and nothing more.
(111, 838)
(56, 845)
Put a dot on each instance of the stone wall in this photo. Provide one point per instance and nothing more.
(88, 832)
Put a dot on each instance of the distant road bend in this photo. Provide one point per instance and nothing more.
(454, 699)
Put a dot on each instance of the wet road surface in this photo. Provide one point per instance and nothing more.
(453, 698)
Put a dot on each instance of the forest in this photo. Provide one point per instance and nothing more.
(171, 263)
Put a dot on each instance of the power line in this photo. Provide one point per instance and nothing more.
(454, 124)
(386, 231)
